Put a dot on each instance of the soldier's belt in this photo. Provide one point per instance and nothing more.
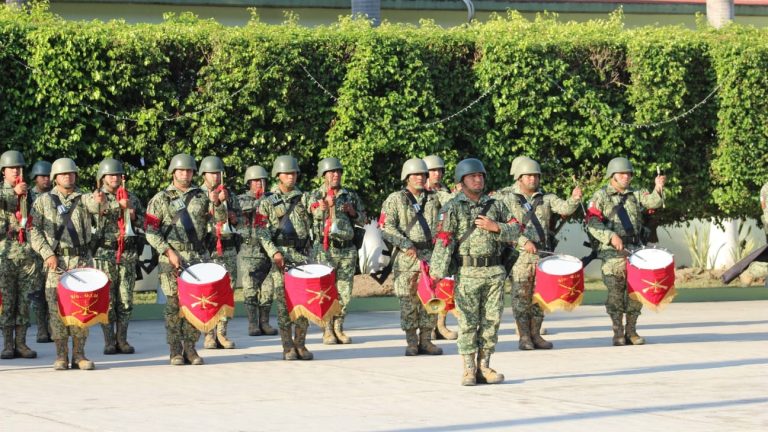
(112, 244)
(422, 245)
(72, 251)
(228, 243)
(468, 261)
(341, 244)
(294, 243)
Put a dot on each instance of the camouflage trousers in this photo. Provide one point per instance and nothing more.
(276, 281)
(229, 260)
(618, 301)
(37, 295)
(177, 328)
(18, 279)
(343, 261)
(256, 291)
(523, 277)
(122, 279)
(58, 329)
(413, 316)
(479, 298)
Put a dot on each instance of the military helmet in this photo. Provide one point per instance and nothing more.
(255, 172)
(527, 166)
(434, 162)
(328, 164)
(285, 164)
(63, 166)
(515, 162)
(40, 168)
(468, 166)
(211, 164)
(182, 161)
(109, 166)
(618, 165)
(11, 158)
(413, 166)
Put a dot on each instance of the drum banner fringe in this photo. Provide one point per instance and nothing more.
(205, 304)
(84, 309)
(225, 311)
(299, 311)
(559, 304)
(71, 320)
(667, 299)
(653, 288)
(559, 292)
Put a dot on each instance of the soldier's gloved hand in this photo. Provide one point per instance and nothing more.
(20, 189)
(483, 222)
(617, 243)
(576, 194)
(279, 261)
(530, 247)
(173, 258)
(51, 262)
(660, 182)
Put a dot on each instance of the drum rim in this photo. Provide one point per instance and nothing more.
(86, 270)
(193, 281)
(658, 249)
(314, 276)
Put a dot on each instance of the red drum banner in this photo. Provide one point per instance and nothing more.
(559, 283)
(205, 295)
(310, 292)
(651, 277)
(83, 297)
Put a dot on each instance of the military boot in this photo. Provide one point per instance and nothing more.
(8, 348)
(413, 342)
(22, 350)
(329, 338)
(444, 332)
(123, 347)
(62, 355)
(177, 354)
(299, 340)
(289, 350)
(191, 355)
(619, 339)
(486, 375)
(470, 370)
(109, 339)
(266, 329)
(524, 334)
(538, 341)
(631, 335)
(253, 320)
(210, 340)
(338, 329)
(43, 333)
(221, 335)
(79, 361)
(425, 343)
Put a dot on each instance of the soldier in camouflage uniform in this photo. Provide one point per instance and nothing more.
(221, 241)
(255, 253)
(471, 233)
(17, 260)
(411, 240)
(176, 221)
(69, 250)
(436, 169)
(110, 240)
(533, 208)
(333, 238)
(759, 269)
(608, 207)
(40, 174)
(289, 224)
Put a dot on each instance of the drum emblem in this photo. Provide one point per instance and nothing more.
(204, 301)
(84, 310)
(655, 287)
(321, 295)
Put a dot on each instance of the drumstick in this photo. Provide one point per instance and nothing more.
(185, 267)
(75, 277)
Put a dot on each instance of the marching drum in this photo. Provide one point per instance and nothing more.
(205, 295)
(310, 292)
(436, 297)
(559, 283)
(83, 297)
(651, 277)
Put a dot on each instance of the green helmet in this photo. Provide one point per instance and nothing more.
(40, 168)
(618, 165)
(468, 166)
(63, 166)
(434, 162)
(527, 166)
(413, 166)
(211, 164)
(109, 166)
(182, 161)
(255, 172)
(11, 158)
(328, 164)
(285, 164)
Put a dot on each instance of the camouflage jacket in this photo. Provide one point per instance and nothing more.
(252, 226)
(34, 193)
(764, 206)
(10, 224)
(46, 218)
(456, 218)
(297, 227)
(547, 204)
(233, 206)
(106, 226)
(401, 229)
(443, 194)
(344, 223)
(603, 219)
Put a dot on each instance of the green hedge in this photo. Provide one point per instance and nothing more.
(561, 93)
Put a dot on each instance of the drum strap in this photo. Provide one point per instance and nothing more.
(66, 221)
(472, 227)
(530, 215)
(186, 221)
(285, 226)
(621, 212)
(419, 209)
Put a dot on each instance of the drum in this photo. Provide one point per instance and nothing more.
(651, 277)
(310, 292)
(83, 297)
(559, 283)
(205, 295)
(436, 297)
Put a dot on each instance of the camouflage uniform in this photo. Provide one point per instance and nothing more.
(441, 331)
(37, 295)
(160, 215)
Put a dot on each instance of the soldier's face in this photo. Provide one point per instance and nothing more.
(212, 179)
(622, 180)
(287, 179)
(333, 178)
(183, 177)
(257, 187)
(474, 183)
(43, 182)
(66, 181)
(11, 174)
(112, 181)
(416, 181)
(435, 177)
(530, 182)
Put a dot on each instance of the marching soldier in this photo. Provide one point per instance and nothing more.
(116, 250)
(287, 213)
(17, 260)
(176, 220)
(40, 174)
(614, 220)
(533, 208)
(221, 240)
(407, 219)
(474, 227)
(60, 234)
(255, 253)
(334, 232)
(436, 168)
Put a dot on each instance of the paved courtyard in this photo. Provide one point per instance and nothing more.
(705, 368)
